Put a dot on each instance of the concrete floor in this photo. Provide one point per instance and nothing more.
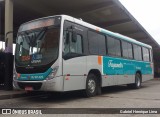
(112, 97)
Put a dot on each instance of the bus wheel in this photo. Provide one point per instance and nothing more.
(137, 83)
(91, 86)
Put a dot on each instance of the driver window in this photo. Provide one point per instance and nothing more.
(70, 46)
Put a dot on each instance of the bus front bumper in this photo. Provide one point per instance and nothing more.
(55, 84)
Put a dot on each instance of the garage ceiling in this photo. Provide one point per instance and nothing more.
(108, 14)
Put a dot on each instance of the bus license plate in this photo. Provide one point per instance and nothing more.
(28, 88)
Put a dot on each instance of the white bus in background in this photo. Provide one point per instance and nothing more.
(62, 53)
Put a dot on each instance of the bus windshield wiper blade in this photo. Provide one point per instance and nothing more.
(41, 33)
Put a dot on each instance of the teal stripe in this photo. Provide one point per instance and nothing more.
(37, 76)
(119, 66)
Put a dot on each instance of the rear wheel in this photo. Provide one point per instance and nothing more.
(91, 86)
(137, 83)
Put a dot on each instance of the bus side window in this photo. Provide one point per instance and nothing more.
(130, 51)
(145, 54)
(137, 52)
(113, 46)
(66, 39)
(151, 56)
(127, 50)
(71, 46)
(96, 43)
(76, 47)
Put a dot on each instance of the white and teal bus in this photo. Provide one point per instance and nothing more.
(61, 53)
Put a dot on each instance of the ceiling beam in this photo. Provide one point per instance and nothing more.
(119, 22)
(94, 8)
(155, 49)
(113, 23)
(41, 9)
(154, 45)
(147, 41)
(130, 32)
(142, 38)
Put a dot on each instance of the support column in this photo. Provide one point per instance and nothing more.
(0, 22)
(8, 44)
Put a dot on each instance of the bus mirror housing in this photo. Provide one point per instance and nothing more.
(74, 36)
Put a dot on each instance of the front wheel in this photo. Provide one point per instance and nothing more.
(91, 86)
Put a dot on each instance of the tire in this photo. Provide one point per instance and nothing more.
(137, 83)
(91, 86)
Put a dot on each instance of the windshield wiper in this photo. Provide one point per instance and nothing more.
(42, 33)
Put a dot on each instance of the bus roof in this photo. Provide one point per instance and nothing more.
(117, 35)
(96, 28)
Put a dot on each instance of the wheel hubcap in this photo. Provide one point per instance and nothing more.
(138, 81)
(91, 86)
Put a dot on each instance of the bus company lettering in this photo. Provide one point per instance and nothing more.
(114, 65)
(35, 77)
(36, 61)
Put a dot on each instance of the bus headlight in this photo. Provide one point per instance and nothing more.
(53, 73)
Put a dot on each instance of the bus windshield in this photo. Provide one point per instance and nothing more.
(37, 47)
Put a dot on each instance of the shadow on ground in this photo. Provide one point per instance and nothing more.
(76, 95)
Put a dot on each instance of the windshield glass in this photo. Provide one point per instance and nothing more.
(37, 47)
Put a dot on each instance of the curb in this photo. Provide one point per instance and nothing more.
(11, 96)
(23, 94)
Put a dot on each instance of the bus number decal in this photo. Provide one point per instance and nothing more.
(25, 58)
(36, 58)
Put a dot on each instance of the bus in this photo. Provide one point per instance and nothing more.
(61, 53)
